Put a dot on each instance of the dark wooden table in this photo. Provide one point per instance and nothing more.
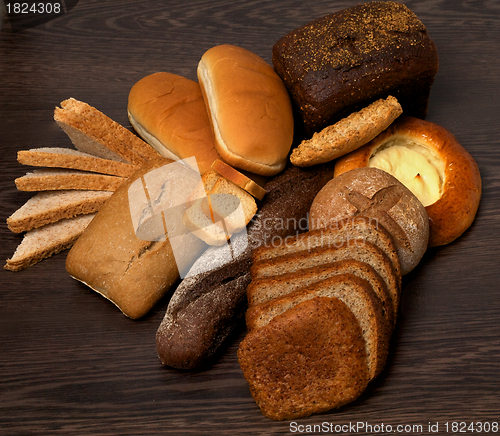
(71, 364)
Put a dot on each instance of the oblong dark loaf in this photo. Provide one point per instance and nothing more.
(205, 308)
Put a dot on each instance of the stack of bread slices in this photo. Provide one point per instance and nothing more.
(322, 308)
(71, 184)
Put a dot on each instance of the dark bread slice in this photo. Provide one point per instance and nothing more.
(334, 235)
(356, 294)
(265, 289)
(363, 251)
(309, 359)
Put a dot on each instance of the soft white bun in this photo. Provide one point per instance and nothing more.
(249, 108)
(455, 209)
(169, 113)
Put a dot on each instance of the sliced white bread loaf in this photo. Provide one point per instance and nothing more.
(58, 157)
(356, 294)
(50, 179)
(51, 206)
(267, 288)
(309, 359)
(349, 229)
(45, 241)
(363, 251)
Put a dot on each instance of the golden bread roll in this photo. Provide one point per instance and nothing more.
(375, 194)
(168, 112)
(429, 160)
(249, 108)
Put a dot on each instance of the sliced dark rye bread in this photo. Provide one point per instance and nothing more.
(265, 289)
(356, 294)
(310, 359)
(363, 251)
(335, 235)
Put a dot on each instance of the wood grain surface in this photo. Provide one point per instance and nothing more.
(71, 364)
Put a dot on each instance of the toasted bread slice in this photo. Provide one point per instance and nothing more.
(51, 206)
(310, 359)
(356, 294)
(58, 157)
(53, 179)
(46, 241)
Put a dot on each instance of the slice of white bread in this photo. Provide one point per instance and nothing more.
(309, 359)
(93, 132)
(51, 206)
(363, 251)
(58, 157)
(356, 294)
(265, 289)
(201, 219)
(240, 179)
(45, 241)
(50, 179)
(348, 229)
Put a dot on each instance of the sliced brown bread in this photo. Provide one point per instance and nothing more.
(52, 179)
(334, 235)
(96, 117)
(363, 251)
(265, 289)
(95, 138)
(307, 360)
(45, 241)
(58, 157)
(356, 294)
(51, 206)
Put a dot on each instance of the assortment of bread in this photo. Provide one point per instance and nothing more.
(375, 190)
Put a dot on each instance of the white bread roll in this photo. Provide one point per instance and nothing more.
(168, 112)
(249, 107)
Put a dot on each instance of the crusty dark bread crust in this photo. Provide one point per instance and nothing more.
(287, 202)
(288, 377)
(337, 64)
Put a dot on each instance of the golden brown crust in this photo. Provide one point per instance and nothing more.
(255, 136)
(455, 211)
(168, 111)
(239, 179)
(348, 134)
(308, 360)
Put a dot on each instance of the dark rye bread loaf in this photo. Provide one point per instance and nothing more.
(356, 294)
(363, 251)
(288, 377)
(340, 63)
(265, 289)
(198, 319)
(334, 235)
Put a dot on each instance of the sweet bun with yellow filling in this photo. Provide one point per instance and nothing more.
(429, 160)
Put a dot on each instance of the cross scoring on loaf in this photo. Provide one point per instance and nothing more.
(378, 207)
